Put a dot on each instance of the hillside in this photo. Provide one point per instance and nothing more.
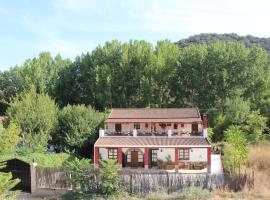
(232, 37)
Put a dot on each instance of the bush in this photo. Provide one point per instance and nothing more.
(235, 153)
(9, 138)
(80, 175)
(110, 182)
(6, 184)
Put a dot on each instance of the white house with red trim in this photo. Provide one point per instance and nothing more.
(165, 138)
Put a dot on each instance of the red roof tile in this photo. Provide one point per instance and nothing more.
(184, 120)
(154, 115)
(145, 141)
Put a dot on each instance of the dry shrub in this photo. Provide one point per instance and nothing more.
(259, 156)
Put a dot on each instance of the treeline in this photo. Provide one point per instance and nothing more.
(217, 78)
(207, 38)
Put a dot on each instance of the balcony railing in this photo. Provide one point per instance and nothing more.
(184, 134)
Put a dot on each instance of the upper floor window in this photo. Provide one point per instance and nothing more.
(175, 126)
(137, 125)
(182, 125)
(146, 125)
(112, 153)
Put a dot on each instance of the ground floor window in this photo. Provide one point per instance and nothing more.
(183, 154)
(112, 153)
(154, 155)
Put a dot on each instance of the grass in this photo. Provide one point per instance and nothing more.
(42, 159)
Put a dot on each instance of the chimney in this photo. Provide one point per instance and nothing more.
(204, 122)
(169, 133)
(101, 132)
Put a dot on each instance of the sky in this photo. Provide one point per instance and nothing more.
(71, 27)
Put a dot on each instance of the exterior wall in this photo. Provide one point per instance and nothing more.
(128, 127)
(198, 155)
(165, 152)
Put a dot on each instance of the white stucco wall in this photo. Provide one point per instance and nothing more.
(128, 127)
(198, 155)
(195, 154)
(161, 155)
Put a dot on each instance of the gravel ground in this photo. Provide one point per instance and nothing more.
(41, 194)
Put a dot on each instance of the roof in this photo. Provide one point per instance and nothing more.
(154, 115)
(146, 141)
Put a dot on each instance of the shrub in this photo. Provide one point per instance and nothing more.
(80, 175)
(110, 182)
(9, 138)
(235, 153)
(6, 184)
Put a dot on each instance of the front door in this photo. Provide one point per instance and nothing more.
(118, 128)
(194, 128)
(134, 159)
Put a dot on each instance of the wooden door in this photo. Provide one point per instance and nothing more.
(134, 159)
(118, 128)
(194, 128)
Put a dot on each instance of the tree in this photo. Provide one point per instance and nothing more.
(110, 182)
(36, 116)
(255, 125)
(77, 125)
(235, 153)
(9, 138)
(6, 184)
(81, 171)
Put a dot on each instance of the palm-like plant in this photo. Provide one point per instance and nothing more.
(6, 184)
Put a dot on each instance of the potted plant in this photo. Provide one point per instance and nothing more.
(169, 164)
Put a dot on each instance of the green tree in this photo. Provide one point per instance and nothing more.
(77, 125)
(110, 182)
(9, 138)
(36, 116)
(81, 171)
(6, 184)
(235, 153)
(255, 125)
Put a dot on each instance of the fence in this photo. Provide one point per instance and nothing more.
(146, 181)
(52, 178)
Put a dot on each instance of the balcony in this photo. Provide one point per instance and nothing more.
(138, 133)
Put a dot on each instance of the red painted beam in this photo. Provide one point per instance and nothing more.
(119, 152)
(209, 151)
(176, 157)
(96, 155)
(146, 160)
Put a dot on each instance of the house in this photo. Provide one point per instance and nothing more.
(170, 138)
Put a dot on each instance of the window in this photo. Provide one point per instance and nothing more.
(118, 128)
(183, 154)
(154, 155)
(112, 153)
(146, 125)
(169, 124)
(175, 126)
(137, 125)
(182, 125)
